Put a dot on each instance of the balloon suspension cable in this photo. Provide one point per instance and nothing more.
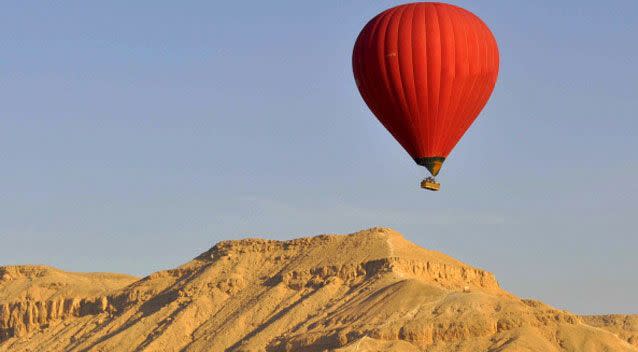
(430, 184)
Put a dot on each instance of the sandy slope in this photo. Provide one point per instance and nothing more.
(368, 291)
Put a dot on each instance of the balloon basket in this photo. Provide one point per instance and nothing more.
(430, 184)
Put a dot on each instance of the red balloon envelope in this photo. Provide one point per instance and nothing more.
(426, 70)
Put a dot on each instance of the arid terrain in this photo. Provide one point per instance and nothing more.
(368, 291)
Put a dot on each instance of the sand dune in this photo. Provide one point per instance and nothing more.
(368, 291)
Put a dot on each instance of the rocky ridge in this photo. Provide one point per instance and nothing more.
(368, 291)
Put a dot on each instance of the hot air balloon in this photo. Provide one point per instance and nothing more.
(426, 70)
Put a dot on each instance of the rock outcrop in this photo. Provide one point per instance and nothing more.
(368, 291)
(34, 296)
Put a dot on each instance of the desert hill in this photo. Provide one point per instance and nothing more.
(368, 291)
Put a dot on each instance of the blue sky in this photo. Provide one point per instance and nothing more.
(135, 136)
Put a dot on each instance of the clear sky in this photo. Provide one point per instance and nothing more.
(135, 135)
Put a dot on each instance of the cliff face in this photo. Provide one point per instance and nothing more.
(33, 296)
(368, 291)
